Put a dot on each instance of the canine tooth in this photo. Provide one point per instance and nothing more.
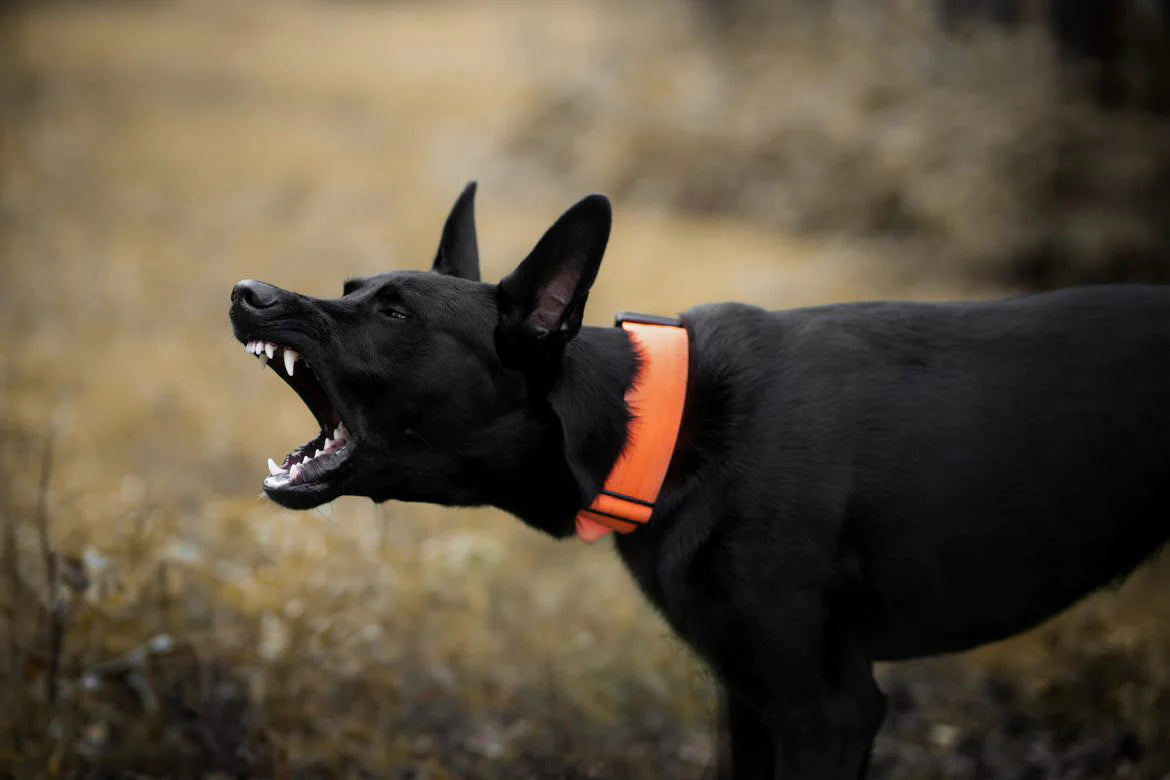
(273, 469)
(269, 349)
(290, 358)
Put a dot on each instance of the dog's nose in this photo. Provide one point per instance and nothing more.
(254, 294)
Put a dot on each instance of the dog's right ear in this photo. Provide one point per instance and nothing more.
(458, 253)
(542, 302)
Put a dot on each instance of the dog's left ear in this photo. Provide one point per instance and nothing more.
(542, 302)
(458, 253)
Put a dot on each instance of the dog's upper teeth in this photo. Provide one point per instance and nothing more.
(273, 469)
(269, 349)
(290, 358)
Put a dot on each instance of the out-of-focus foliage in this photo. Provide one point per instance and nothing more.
(157, 617)
(981, 153)
(253, 642)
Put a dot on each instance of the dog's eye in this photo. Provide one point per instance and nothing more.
(390, 304)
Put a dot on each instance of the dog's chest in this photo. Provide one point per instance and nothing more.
(664, 581)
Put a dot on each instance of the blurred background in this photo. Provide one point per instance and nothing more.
(161, 618)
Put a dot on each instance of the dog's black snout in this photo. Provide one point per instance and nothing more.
(254, 294)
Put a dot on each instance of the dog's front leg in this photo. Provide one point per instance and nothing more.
(830, 734)
(822, 711)
(745, 749)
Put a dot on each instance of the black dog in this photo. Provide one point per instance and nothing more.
(851, 482)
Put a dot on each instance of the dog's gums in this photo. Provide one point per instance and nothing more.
(318, 460)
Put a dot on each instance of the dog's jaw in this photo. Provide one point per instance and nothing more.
(311, 474)
(323, 452)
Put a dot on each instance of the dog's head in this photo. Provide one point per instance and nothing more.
(423, 382)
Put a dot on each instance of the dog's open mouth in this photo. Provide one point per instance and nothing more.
(310, 468)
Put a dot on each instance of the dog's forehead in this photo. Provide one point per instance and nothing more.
(422, 283)
(432, 295)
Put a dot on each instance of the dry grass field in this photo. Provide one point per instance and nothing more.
(161, 618)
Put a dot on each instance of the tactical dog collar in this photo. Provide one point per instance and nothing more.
(655, 401)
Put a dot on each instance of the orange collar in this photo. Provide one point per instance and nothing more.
(655, 401)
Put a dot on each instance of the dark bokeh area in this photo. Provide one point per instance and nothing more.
(160, 618)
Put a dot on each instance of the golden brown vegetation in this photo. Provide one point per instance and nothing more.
(976, 154)
(160, 618)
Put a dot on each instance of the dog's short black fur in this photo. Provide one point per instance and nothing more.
(852, 482)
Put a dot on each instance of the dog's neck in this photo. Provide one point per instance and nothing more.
(560, 453)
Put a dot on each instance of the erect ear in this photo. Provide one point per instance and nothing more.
(458, 253)
(541, 303)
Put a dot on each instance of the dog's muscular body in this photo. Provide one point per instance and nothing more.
(851, 483)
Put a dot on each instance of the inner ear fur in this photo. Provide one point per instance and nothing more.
(542, 302)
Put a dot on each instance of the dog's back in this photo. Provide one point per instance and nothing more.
(956, 472)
